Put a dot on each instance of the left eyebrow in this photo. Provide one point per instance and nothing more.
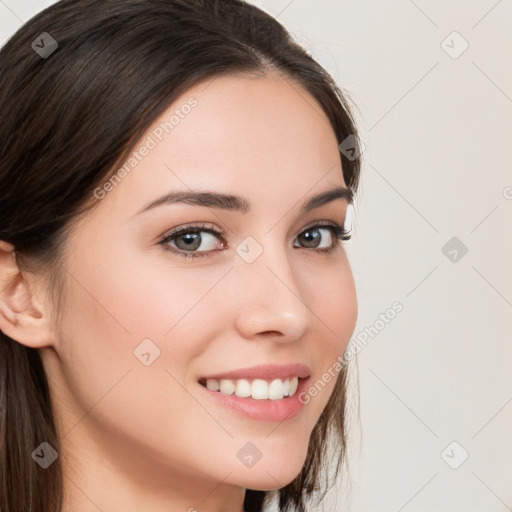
(240, 204)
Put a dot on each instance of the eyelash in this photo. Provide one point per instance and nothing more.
(338, 232)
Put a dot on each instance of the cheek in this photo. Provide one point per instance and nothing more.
(336, 310)
(105, 320)
(122, 306)
(334, 302)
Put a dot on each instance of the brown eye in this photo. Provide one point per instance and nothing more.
(312, 237)
(187, 240)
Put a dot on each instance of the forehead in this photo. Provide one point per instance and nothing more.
(262, 137)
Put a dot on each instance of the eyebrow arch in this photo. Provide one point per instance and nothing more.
(240, 204)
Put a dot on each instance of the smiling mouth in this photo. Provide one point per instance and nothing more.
(258, 389)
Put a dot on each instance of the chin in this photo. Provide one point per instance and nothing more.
(274, 474)
(266, 482)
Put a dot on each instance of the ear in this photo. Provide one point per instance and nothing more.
(23, 316)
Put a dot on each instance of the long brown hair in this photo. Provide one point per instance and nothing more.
(67, 119)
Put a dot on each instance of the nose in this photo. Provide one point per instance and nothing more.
(270, 297)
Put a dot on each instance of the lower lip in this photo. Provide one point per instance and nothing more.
(262, 410)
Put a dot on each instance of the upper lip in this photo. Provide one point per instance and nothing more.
(265, 372)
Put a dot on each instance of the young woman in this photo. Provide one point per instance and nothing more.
(175, 294)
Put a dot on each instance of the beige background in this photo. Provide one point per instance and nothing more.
(437, 125)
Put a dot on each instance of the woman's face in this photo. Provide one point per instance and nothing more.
(142, 324)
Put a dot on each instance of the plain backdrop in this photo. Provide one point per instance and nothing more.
(432, 86)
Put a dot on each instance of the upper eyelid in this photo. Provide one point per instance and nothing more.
(191, 227)
(208, 227)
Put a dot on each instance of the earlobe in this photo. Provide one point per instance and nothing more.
(21, 317)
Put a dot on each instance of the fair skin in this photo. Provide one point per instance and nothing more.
(138, 437)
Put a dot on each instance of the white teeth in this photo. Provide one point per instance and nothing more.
(286, 387)
(293, 385)
(213, 384)
(275, 390)
(227, 386)
(258, 389)
(243, 388)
